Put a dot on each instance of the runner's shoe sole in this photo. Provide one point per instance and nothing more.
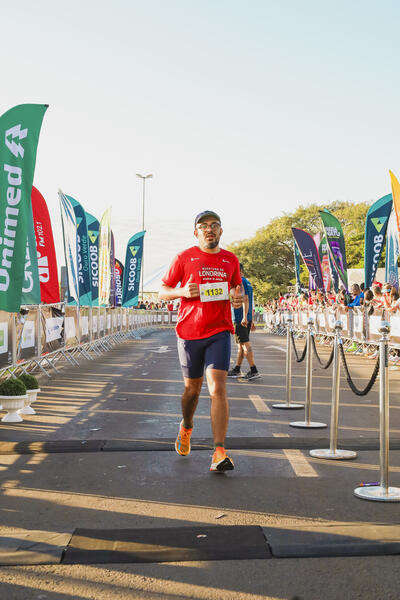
(224, 465)
(250, 377)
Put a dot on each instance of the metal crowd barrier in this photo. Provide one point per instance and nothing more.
(39, 336)
(358, 326)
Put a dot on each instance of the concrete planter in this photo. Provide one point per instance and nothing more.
(30, 397)
(11, 404)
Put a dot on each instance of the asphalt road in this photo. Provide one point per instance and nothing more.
(99, 455)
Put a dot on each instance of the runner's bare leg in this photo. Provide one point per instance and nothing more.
(248, 352)
(190, 399)
(240, 354)
(216, 381)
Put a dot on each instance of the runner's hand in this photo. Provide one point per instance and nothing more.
(191, 290)
(237, 298)
(253, 326)
(244, 322)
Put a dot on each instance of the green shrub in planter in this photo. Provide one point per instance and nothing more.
(30, 382)
(12, 387)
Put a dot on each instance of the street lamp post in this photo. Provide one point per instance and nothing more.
(143, 178)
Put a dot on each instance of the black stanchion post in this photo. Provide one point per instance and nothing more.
(333, 452)
(382, 492)
(288, 404)
(307, 423)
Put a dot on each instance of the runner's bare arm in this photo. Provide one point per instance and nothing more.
(253, 326)
(190, 290)
(237, 297)
(245, 310)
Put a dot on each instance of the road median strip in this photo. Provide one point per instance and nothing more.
(199, 543)
(167, 444)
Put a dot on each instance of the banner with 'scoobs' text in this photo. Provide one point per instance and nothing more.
(376, 224)
(93, 227)
(132, 270)
(19, 136)
(82, 240)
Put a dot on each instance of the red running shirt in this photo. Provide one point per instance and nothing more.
(198, 319)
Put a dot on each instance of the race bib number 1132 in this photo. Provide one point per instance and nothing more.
(209, 292)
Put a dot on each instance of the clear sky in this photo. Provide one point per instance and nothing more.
(250, 108)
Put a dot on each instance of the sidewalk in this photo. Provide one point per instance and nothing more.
(99, 456)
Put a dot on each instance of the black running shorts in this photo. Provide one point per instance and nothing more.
(212, 353)
(242, 333)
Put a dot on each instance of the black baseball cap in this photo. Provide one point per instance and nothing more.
(204, 214)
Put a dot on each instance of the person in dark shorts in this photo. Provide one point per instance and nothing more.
(244, 323)
(210, 282)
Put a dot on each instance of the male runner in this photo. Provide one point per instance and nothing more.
(210, 281)
(244, 323)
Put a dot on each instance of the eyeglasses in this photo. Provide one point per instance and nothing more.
(204, 226)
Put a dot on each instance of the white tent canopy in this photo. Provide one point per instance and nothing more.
(152, 283)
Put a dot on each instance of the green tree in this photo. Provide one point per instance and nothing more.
(268, 256)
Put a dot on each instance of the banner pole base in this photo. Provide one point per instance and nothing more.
(287, 406)
(308, 425)
(378, 493)
(334, 454)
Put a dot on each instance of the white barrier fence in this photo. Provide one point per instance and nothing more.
(358, 325)
(39, 335)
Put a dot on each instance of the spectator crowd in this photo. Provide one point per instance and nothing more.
(166, 306)
(379, 296)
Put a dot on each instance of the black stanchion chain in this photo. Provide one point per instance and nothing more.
(351, 383)
(303, 355)
(330, 359)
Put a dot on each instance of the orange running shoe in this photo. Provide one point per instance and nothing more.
(220, 461)
(182, 442)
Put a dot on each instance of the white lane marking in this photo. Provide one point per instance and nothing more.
(298, 461)
(300, 464)
(259, 403)
(277, 348)
(161, 349)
